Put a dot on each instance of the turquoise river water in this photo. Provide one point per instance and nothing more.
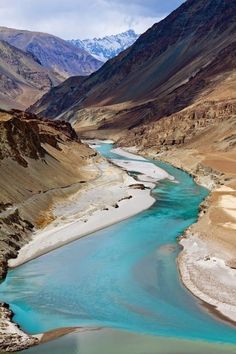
(123, 279)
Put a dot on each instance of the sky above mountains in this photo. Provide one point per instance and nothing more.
(84, 18)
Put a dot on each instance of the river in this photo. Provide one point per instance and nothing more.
(123, 279)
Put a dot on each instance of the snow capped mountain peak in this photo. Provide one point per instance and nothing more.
(107, 47)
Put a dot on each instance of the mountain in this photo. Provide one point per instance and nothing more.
(186, 59)
(52, 52)
(107, 47)
(22, 79)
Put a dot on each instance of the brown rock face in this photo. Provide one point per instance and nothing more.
(23, 134)
(21, 140)
(180, 128)
(14, 232)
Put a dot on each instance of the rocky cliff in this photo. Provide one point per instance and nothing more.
(41, 154)
(36, 150)
(179, 129)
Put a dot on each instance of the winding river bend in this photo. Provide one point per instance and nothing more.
(123, 278)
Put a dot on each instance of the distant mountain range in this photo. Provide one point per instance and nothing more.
(52, 52)
(188, 55)
(32, 62)
(23, 80)
(107, 47)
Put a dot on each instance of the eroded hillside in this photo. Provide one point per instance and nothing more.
(41, 163)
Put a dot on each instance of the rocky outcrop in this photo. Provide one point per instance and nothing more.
(23, 135)
(180, 128)
(15, 232)
(18, 139)
(11, 338)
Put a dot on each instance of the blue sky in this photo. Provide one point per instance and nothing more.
(84, 18)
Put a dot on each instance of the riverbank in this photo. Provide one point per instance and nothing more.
(11, 337)
(111, 197)
(207, 263)
(132, 165)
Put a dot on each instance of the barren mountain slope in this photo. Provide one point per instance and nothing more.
(22, 79)
(166, 70)
(52, 52)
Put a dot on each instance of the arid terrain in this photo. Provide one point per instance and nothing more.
(31, 63)
(166, 70)
(172, 96)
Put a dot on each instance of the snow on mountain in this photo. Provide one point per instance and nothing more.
(52, 52)
(107, 47)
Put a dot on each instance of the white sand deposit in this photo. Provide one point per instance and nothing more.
(208, 277)
(128, 154)
(108, 200)
(148, 171)
(228, 203)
